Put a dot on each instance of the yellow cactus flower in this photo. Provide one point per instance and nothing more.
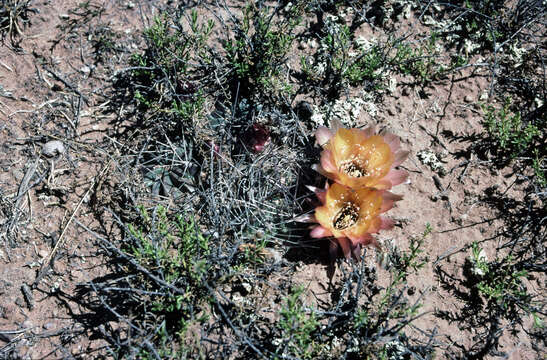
(359, 158)
(351, 216)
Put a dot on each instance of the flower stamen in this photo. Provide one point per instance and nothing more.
(346, 217)
(353, 169)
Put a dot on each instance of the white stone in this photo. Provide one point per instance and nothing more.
(53, 148)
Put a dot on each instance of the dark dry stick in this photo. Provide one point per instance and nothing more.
(67, 84)
(48, 260)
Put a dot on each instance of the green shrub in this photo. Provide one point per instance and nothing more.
(508, 130)
(173, 256)
(501, 283)
(297, 327)
(258, 50)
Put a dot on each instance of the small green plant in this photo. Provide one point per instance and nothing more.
(508, 130)
(163, 76)
(366, 66)
(157, 250)
(366, 314)
(176, 253)
(409, 261)
(539, 169)
(478, 259)
(420, 60)
(342, 60)
(175, 47)
(251, 254)
(259, 48)
(188, 109)
(297, 328)
(501, 284)
(105, 42)
(473, 26)
(402, 265)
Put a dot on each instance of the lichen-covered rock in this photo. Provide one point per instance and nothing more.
(53, 148)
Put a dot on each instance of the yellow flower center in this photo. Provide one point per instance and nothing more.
(353, 168)
(346, 217)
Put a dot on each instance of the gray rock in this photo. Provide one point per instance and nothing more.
(53, 148)
(27, 324)
(20, 302)
(29, 297)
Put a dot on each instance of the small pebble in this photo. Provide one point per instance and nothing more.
(53, 148)
(274, 255)
(20, 302)
(48, 326)
(85, 69)
(43, 253)
(468, 99)
(27, 324)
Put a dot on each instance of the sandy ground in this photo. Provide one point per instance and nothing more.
(56, 81)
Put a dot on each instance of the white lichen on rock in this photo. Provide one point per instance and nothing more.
(53, 148)
(433, 160)
(347, 111)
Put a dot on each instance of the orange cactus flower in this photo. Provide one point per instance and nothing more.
(351, 216)
(359, 158)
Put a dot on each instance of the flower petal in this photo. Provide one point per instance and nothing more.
(383, 185)
(389, 201)
(320, 193)
(387, 205)
(381, 223)
(305, 218)
(336, 124)
(323, 135)
(362, 239)
(327, 161)
(342, 145)
(356, 251)
(375, 225)
(345, 245)
(400, 157)
(378, 154)
(387, 223)
(391, 196)
(333, 249)
(393, 141)
(396, 177)
(320, 232)
(369, 131)
(321, 171)
(337, 194)
(324, 215)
